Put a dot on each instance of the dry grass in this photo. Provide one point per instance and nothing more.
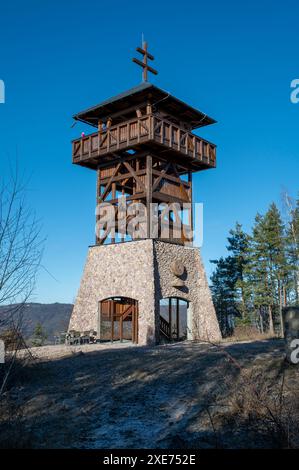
(185, 395)
(14, 432)
(247, 333)
(263, 403)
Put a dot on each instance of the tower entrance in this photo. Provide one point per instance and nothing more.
(118, 319)
(173, 319)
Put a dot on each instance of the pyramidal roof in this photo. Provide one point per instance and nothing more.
(139, 96)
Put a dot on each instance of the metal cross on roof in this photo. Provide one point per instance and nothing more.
(144, 64)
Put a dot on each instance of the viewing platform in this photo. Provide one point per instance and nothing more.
(146, 132)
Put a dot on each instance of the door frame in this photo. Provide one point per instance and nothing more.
(174, 313)
(132, 309)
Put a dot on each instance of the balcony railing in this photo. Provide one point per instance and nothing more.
(140, 130)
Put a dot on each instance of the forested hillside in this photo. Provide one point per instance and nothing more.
(53, 318)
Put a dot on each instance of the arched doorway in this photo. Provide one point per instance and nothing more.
(173, 319)
(118, 319)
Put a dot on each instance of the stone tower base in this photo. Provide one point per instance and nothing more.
(143, 270)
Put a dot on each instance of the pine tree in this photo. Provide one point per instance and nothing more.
(223, 293)
(267, 268)
(261, 272)
(292, 236)
(295, 222)
(238, 246)
(39, 335)
(227, 281)
(255, 271)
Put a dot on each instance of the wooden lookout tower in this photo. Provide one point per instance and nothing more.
(143, 280)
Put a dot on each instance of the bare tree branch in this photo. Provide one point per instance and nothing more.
(21, 247)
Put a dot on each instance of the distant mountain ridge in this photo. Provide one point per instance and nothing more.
(53, 317)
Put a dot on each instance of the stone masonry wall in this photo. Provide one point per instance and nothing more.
(142, 270)
(196, 290)
(120, 270)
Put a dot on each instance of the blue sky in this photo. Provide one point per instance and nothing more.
(234, 61)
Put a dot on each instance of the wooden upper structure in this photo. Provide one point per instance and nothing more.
(144, 118)
(144, 150)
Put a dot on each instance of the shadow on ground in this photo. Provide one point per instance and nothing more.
(159, 397)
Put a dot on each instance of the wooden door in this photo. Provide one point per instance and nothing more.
(119, 319)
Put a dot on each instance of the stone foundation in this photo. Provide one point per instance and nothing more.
(143, 270)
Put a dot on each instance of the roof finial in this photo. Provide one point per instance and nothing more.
(144, 64)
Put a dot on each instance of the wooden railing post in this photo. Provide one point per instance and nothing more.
(170, 135)
(139, 130)
(108, 140)
(118, 137)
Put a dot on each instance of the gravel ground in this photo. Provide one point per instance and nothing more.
(61, 351)
(124, 396)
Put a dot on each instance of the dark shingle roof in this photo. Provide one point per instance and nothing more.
(139, 95)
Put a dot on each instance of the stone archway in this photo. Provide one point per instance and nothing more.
(174, 321)
(118, 319)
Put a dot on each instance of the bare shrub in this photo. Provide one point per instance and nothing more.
(264, 403)
(15, 433)
(20, 255)
(12, 338)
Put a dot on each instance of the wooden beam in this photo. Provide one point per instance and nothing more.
(168, 198)
(124, 176)
(190, 197)
(122, 157)
(149, 192)
(169, 177)
(113, 197)
(106, 190)
(143, 51)
(128, 111)
(134, 174)
(162, 174)
(146, 67)
(134, 197)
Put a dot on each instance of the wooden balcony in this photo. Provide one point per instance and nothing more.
(135, 134)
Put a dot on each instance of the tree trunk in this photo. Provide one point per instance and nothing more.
(261, 320)
(271, 325)
(281, 294)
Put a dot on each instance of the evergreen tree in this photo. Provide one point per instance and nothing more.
(39, 335)
(261, 273)
(267, 269)
(223, 293)
(256, 285)
(227, 281)
(238, 245)
(292, 236)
